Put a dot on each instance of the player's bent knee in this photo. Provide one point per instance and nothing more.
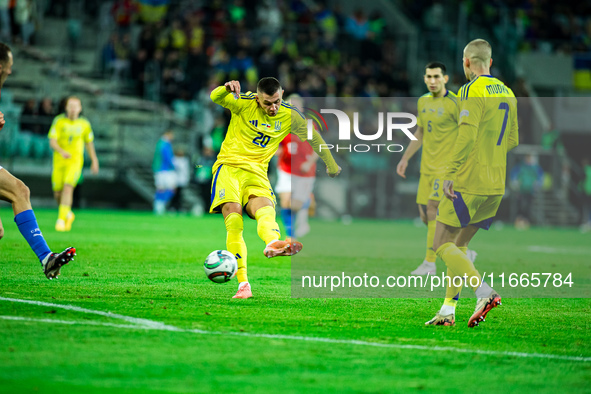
(231, 207)
(22, 191)
(432, 210)
(436, 245)
(444, 234)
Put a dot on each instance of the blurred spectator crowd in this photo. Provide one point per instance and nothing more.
(179, 51)
(314, 51)
(542, 25)
(36, 117)
(17, 20)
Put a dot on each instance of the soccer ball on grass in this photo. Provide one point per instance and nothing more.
(220, 266)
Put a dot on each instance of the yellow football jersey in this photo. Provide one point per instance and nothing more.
(71, 135)
(253, 137)
(479, 161)
(438, 116)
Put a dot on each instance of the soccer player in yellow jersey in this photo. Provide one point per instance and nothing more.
(14, 191)
(474, 181)
(437, 123)
(67, 137)
(259, 122)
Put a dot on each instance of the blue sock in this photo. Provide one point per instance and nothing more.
(168, 195)
(27, 225)
(160, 195)
(164, 195)
(287, 220)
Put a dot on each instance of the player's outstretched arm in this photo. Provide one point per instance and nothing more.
(221, 96)
(413, 147)
(317, 142)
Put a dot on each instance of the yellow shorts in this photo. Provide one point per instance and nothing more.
(429, 189)
(65, 174)
(231, 184)
(468, 209)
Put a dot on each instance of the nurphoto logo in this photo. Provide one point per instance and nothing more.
(391, 120)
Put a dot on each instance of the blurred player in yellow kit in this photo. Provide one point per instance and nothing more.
(259, 123)
(67, 137)
(474, 181)
(437, 130)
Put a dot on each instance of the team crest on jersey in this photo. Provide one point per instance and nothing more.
(222, 194)
(254, 122)
(439, 111)
(277, 126)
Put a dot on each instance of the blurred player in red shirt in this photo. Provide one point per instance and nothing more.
(295, 180)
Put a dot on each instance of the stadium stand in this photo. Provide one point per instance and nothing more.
(140, 68)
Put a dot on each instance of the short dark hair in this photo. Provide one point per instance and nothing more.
(268, 85)
(437, 65)
(4, 51)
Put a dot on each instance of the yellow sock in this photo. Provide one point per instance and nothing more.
(63, 212)
(458, 262)
(430, 256)
(235, 243)
(452, 292)
(267, 227)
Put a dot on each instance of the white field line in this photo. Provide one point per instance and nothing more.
(70, 322)
(145, 324)
(552, 250)
(134, 320)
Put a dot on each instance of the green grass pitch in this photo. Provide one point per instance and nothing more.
(135, 265)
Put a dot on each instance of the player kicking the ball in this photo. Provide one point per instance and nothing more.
(14, 191)
(437, 130)
(474, 181)
(259, 123)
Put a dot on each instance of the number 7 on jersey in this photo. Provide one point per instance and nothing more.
(505, 107)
